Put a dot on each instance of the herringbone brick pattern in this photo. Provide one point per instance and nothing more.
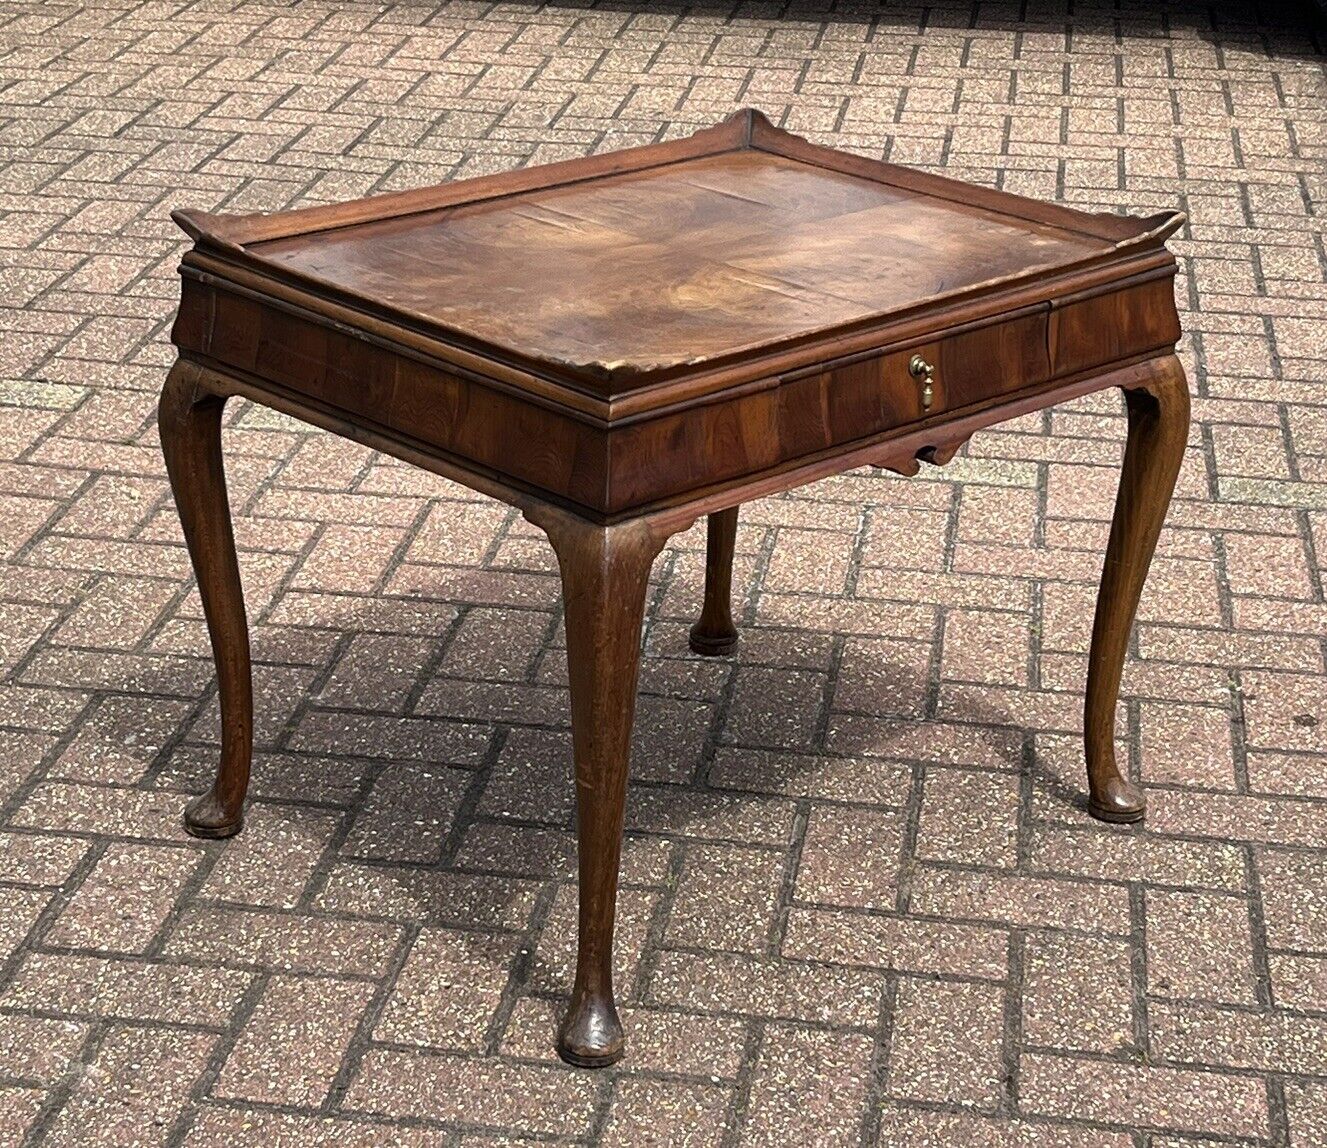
(862, 902)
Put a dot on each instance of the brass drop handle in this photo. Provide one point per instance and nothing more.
(919, 368)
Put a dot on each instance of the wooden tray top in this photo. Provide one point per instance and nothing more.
(631, 287)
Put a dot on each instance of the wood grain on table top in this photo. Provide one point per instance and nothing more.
(676, 264)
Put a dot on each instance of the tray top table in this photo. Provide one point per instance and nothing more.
(620, 344)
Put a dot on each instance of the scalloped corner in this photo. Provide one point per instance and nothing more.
(1161, 226)
(193, 223)
(207, 227)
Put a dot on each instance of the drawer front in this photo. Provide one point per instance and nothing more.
(817, 411)
(923, 381)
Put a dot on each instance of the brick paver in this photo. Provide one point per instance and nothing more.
(862, 901)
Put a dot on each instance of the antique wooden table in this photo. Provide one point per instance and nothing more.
(618, 345)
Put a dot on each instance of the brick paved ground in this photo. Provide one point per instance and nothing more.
(862, 901)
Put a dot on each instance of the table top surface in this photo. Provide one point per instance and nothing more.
(684, 256)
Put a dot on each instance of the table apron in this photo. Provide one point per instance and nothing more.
(895, 451)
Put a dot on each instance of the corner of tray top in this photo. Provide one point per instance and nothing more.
(1156, 228)
(1142, 232)
(192, 223)
(747, 124)
(206, 226)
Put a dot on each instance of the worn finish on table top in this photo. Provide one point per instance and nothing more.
(676, 264)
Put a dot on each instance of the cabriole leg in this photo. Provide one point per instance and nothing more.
(1158, 431)
(605, 572)
(190, 423)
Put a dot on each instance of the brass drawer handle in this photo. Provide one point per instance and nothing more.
(919, 368)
